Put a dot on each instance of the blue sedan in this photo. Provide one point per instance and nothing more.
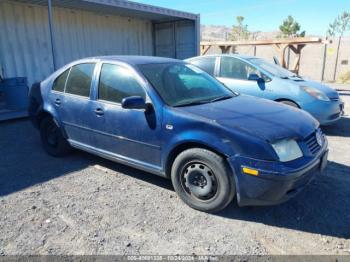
(254, 76)
(170, 118)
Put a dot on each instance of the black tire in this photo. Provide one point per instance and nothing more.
(289, 103)
(52, 139)
(203, 180)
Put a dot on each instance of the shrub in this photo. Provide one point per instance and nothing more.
(345, 78)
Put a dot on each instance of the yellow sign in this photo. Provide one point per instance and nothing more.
(330, 50)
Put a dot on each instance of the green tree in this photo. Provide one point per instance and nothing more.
(240, 30)
(339, 26)
(290, 28)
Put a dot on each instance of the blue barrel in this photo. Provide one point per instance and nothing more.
(15, 92)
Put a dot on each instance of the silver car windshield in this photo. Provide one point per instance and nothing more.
(271, 68)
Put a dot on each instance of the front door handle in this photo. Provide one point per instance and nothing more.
(99, 111)
(58, 102)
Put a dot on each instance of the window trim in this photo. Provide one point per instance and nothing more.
(138, 79)
(91, 84)
(65, 82)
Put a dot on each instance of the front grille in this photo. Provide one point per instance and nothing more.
(334, 98)
(312, 144)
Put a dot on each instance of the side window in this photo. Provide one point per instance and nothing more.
(79, 80)
(205, 63)
(116, 83)
(234, 68)
(60, 81)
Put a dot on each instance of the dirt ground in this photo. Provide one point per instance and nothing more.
(83, 204)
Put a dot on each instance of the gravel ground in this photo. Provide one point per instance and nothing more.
(83, 204)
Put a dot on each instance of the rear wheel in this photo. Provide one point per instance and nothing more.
(203, 180)
(289, 103)
(52, 139)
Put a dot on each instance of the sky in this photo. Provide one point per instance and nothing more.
(314, 16)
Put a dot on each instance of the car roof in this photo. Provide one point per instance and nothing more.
(134, 60)
(230, 55)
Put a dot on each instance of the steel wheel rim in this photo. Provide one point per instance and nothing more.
(199, 181)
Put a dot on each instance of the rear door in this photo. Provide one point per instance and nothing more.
(75, 106)
(234, 73)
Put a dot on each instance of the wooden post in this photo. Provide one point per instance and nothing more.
(297, 51)
(225, 49)
(324, 61)
(204, 49)
(281, 48)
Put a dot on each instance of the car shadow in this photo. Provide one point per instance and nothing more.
(322, 208)
(24, 163)
(339, 128)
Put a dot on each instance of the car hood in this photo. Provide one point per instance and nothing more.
(263, 118)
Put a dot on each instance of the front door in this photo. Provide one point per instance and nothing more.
(130, 134)
(234, 73)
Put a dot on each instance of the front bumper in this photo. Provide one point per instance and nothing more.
(326, 112)
(277, 182)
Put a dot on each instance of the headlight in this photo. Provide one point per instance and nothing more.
(287, 150)
(315, 93)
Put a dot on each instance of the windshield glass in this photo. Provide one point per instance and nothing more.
(182, 84)
(273, 69)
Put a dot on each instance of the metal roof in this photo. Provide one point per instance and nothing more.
(120, 7)
(138, 60)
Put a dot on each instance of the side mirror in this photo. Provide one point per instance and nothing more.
(134, 102)
(255, 77)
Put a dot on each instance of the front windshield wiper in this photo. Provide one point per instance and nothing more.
(200, 102)
(194, 103)
(219, 98)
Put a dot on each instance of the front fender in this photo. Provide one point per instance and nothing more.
(200, 137)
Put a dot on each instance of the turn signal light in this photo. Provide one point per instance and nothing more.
(250, 171)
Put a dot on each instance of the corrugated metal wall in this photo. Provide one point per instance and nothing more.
(176, 39)
(25, 47)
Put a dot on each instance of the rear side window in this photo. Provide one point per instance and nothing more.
(205, 63)
(79, 80)
(118, 82)
(58, 84)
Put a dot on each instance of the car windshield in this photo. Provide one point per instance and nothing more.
(271, 68)
(181, 84)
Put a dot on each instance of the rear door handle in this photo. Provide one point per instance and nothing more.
(99, 111)
(58, 102)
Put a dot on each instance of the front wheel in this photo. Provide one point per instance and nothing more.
(52, 139)
(203, 180)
